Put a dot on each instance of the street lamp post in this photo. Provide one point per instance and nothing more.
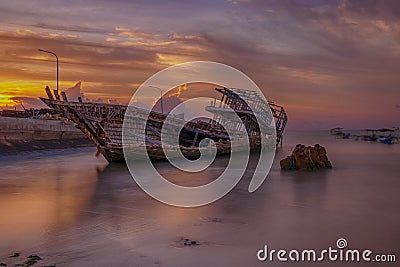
(161, 98)
(54, 54)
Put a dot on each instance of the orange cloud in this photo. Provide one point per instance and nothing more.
(126, 32)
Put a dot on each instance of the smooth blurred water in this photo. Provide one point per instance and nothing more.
(74, 209)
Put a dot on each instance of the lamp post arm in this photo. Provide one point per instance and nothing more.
(54, 54)
(161, 97)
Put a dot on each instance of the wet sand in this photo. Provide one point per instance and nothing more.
(74, 209)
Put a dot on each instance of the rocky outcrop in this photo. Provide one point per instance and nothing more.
(306, 158)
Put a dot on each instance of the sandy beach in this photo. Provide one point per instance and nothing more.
(74, 209)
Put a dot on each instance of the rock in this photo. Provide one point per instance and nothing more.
(15, 255)
(188, 242)
(30, 262)
(34, 257)
(213, 219)
(306, 158)
(288, 163)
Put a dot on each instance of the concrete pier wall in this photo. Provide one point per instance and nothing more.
(22, 134)
(25, 129)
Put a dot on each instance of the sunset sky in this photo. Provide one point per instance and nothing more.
(330, 63)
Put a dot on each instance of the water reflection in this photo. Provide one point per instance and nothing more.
(38, 197)
(82, 208)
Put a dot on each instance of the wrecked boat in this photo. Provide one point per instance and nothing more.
(103, 123)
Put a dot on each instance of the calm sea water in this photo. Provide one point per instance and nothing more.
(74, 209)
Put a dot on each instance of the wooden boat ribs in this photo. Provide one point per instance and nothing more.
(102, 123)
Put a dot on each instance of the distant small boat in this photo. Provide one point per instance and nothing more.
(346, 135)
(387, 136)
(388, 140)
(336, 131)
(370, 136)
